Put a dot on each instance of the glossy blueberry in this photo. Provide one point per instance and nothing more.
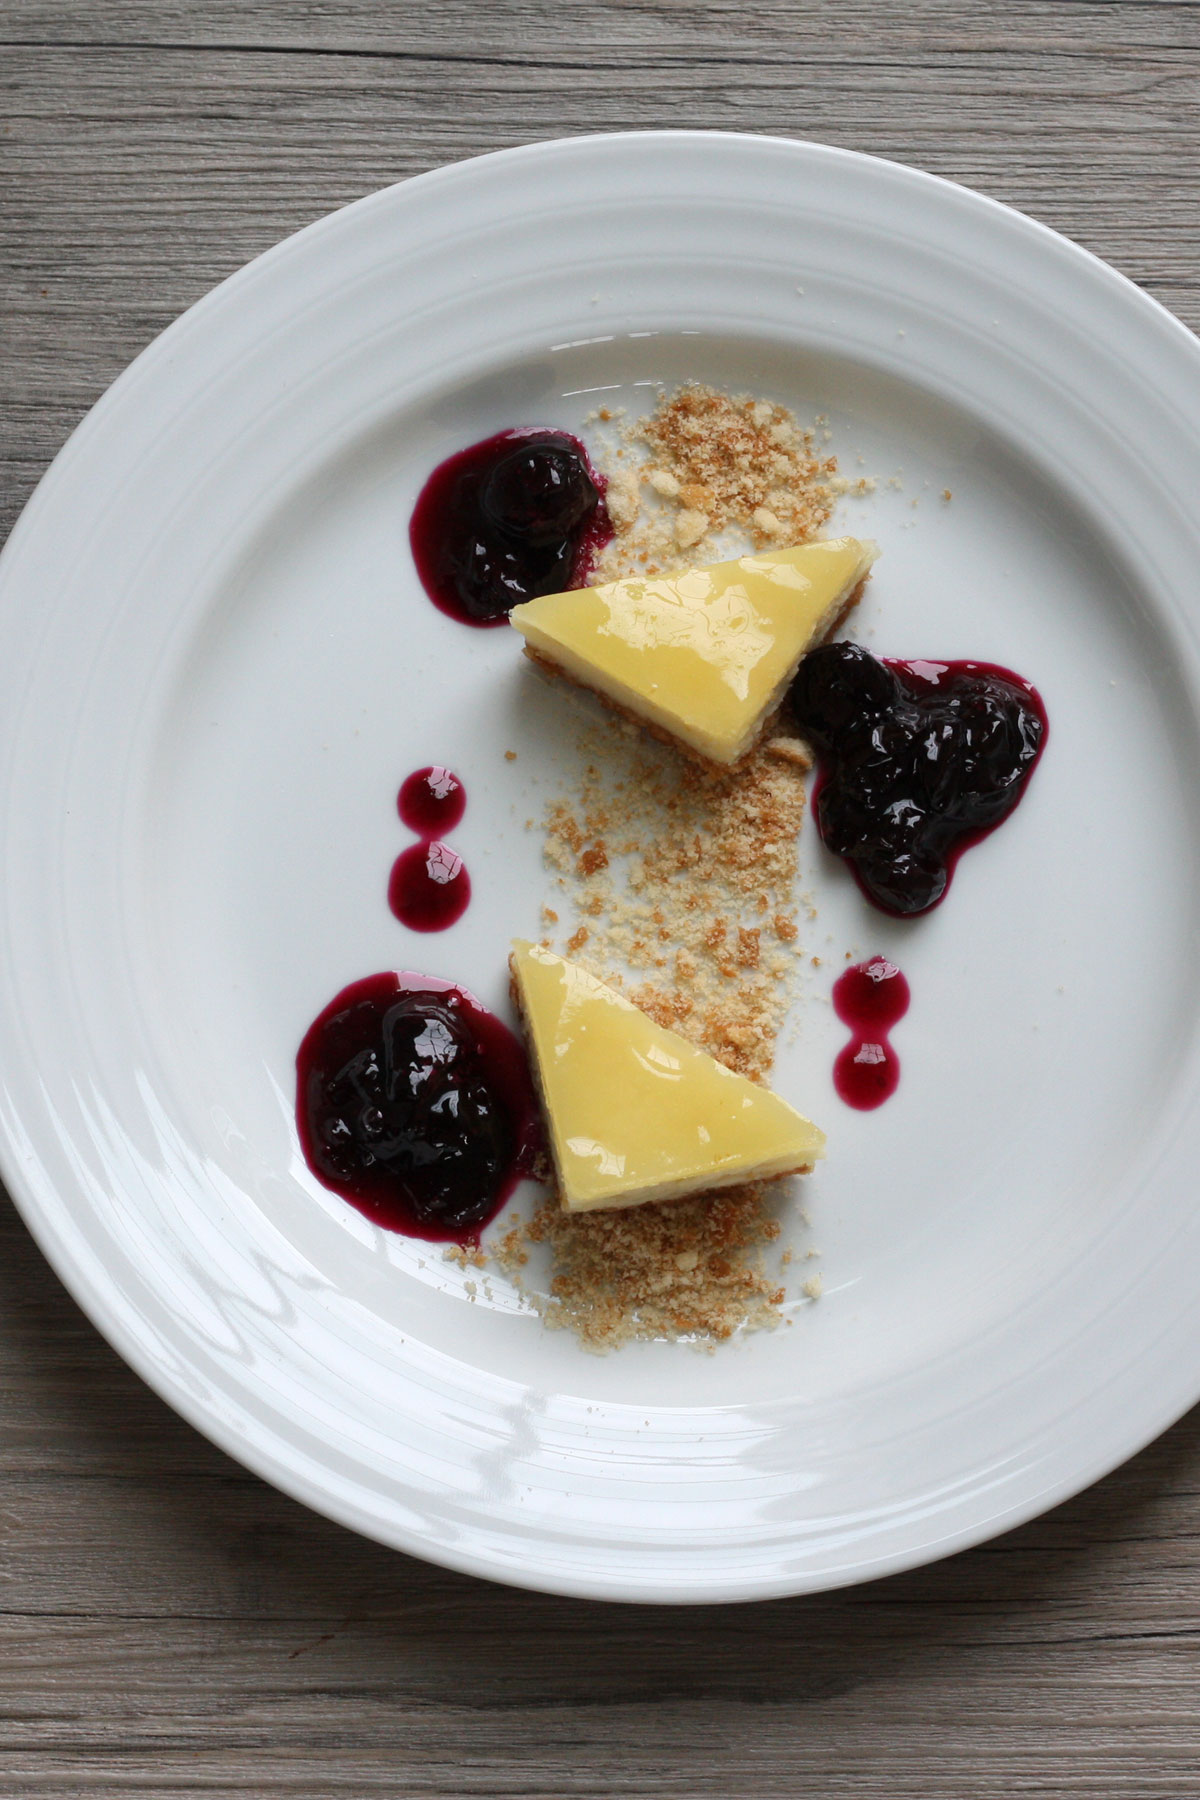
(539, 493)
(917, 760)
(505, 520)
(409, 1103)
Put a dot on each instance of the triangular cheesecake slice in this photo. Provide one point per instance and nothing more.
(635, 1112)
(703, 657)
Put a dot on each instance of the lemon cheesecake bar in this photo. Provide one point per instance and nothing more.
(702, 657)
(634, 1112)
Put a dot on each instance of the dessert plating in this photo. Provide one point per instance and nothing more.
(409, 1100)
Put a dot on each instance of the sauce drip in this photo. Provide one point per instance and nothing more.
(871, 998)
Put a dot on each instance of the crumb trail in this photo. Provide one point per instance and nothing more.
(682, 881)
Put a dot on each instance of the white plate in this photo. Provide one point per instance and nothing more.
(218, 666)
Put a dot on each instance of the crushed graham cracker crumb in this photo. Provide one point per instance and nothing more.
(686, 877)
(790, 749)
(694, 859)
(689, 1268)
(465, 1256)
(709, 463)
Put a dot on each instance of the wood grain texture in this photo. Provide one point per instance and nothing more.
(168, 1625)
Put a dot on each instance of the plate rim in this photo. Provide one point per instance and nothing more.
(246, 1451)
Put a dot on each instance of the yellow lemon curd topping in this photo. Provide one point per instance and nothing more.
(705, 655)
(635, 1112)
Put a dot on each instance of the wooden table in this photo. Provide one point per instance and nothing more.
(170, 1626)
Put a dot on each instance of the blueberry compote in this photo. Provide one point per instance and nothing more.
(918, 761)
(517, 515)
(415, 1103)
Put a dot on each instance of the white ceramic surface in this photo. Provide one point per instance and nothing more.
(218, 667)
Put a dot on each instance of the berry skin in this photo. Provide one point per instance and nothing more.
(491, 575)
(540, 492)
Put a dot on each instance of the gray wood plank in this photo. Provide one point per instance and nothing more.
(141, 176)
(168, 1625)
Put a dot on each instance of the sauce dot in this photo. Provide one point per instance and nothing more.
(871, 998)
(432, 800)
(429, 886)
